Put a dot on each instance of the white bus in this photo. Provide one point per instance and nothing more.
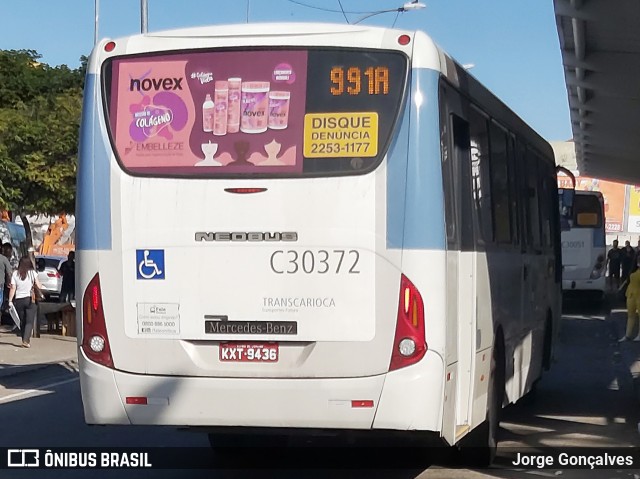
(584, 247)
(309, 227)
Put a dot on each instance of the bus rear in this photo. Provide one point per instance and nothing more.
(237, 191)
(583, 246)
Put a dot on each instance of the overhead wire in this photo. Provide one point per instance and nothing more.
(396, 19)
(342, 10)
(296, 2)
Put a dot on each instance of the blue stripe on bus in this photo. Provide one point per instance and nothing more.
(93, 208)
(397, 181)
(415, 197)
(598, 238)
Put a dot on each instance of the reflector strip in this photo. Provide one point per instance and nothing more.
(362, 403)
(137, 400)
(244, 191)
(407, 297)
(95, 298)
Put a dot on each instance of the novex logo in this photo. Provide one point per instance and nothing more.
(146, 84)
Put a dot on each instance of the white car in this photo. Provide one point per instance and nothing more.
(48, 275)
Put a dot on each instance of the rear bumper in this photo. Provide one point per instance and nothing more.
(584, 284)
(407, 399)
(51, 288)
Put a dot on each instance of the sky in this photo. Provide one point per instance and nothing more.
(513, 44)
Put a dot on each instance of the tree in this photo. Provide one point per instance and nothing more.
(40, 109)
(24, 79)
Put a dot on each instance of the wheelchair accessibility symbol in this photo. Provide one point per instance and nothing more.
(150, 263)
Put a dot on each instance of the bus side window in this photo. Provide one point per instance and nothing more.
(448, 175)
(513, 190)
(462, 169)
(500, 185)
(546, 203)
(565, 206)
(533, 208)
(523, 203)
(480, 174)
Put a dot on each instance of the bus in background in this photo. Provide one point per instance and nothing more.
(584, 246)
(309, 228)
(15, 234)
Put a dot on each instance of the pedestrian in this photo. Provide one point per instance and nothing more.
(5, 271)
(633, 303)
(68, 272)
(25, 288)
(614, 259)
(627, 260)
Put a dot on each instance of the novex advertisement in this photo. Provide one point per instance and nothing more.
(212, 112)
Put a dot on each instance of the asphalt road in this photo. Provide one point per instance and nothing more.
(587, 399)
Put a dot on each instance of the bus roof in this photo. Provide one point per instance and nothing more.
(266, 29)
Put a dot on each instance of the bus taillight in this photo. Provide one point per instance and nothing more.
(404, 40)
(95, 342)
(409, 344)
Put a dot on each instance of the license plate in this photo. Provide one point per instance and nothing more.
(249, 352)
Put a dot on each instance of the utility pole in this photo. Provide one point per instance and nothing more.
(96, 21)
(144, 16)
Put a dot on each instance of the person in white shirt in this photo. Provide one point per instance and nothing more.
(22, 282)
